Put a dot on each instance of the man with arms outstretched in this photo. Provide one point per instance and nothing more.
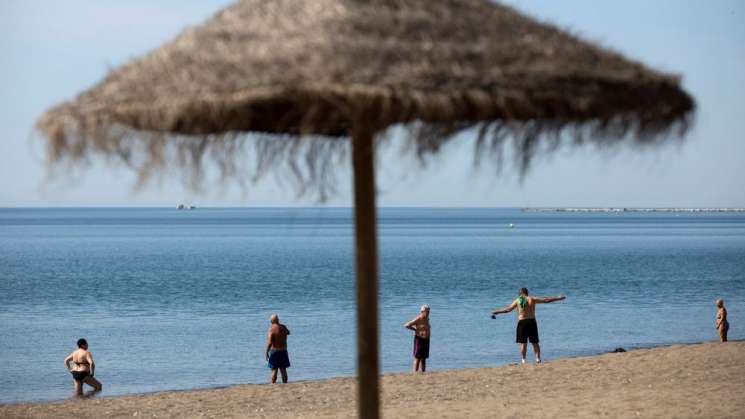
(527, 327)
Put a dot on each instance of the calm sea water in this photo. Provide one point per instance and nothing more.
(173, 300)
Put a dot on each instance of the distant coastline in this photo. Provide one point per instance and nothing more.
(611, 209)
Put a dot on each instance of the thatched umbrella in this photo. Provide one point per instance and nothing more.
(316, 71)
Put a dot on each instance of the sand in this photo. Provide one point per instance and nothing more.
(703, 380)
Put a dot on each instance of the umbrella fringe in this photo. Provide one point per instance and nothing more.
(309, 161)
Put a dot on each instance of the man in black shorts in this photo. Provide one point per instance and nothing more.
(527, 327)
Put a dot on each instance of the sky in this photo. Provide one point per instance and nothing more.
(54, 49)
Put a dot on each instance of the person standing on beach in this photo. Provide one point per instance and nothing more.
(420, 326)
(527, 327)
(722, 323)
(276, 349)
(84, 368)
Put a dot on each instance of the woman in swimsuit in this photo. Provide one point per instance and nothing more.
(722, 323)
(84, 368)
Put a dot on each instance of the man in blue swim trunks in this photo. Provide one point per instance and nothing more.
(276, 349)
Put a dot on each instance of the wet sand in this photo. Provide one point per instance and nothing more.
(703, 380)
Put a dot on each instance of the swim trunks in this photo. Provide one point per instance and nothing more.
(527, 329)
(80, 375)
(278, 358)
(421, 347)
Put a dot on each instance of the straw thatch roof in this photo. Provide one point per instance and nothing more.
(311, 67)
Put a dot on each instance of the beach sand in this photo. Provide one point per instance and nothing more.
(703, 380)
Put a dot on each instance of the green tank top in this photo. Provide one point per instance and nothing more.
(522, 301)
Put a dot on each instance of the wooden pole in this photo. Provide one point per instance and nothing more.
(363, 156)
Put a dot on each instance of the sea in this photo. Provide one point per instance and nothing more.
(180, 300)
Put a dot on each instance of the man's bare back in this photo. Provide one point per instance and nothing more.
(278, 336)
(529, 311)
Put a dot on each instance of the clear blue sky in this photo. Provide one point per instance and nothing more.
(53, 49)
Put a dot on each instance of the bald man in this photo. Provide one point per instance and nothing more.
(276, 349)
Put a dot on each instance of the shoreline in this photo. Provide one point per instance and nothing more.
(686, 380)
(352, 375)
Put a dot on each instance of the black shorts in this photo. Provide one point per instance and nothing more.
(527, 329)
(421, 347)
(80, 375)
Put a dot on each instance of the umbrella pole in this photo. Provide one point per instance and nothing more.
(363, 154)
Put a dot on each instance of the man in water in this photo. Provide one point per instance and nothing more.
(276, 349)
(527, 327)
(420, 326)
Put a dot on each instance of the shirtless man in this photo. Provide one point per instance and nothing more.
(527, 327)
(84, 368)
(420, 326)
(276, 349)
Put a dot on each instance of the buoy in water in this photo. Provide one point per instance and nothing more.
(511, 225)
